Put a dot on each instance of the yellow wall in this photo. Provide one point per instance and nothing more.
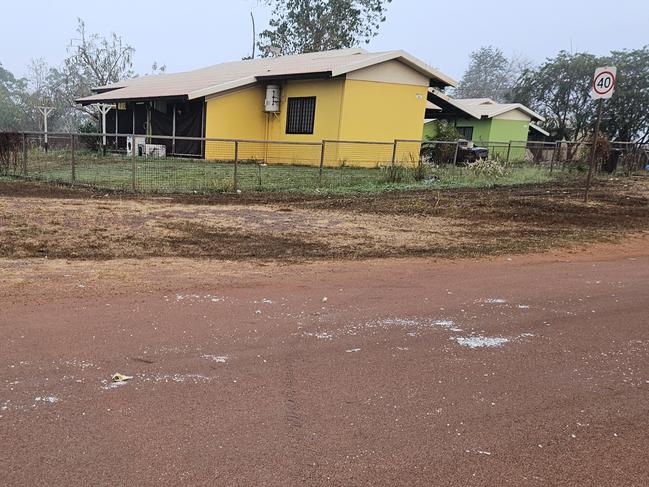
(348, 110)
(382, 112)
(241, 115)
(236, 115)
(329, 96)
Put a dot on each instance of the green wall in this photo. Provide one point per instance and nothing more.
(481, 128)
(510, 130)
(493, 130)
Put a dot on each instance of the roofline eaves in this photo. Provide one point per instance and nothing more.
(215, 89)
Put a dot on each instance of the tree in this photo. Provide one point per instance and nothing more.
(41, 91)
(490, 74)
(92, 61)
(627, 113)
(299, 26)
(559, 90)
(12, 110)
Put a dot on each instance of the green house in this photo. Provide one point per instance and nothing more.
(503, 128)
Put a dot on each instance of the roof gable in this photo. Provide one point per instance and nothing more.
(482, 108)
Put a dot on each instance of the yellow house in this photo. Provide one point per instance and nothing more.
(283, 108)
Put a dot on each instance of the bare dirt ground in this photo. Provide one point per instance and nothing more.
(44, 221)
(289, 370)
(528, 370)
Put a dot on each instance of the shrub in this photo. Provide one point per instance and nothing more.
(421, 171)
(394, 174)
(10, 148)
(489, 168)
(91, 142)
(440, 153)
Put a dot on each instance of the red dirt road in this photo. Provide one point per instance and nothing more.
(253, 378)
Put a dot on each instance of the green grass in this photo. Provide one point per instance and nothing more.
(169, 175)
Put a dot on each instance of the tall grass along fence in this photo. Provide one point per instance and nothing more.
(160, 164)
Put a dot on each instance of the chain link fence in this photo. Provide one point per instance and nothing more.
(143, 164)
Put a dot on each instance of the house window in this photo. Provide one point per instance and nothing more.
(465, 132)
(300, 116)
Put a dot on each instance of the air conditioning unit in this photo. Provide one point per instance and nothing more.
(140, 143)
(271, 104)
(155, 150)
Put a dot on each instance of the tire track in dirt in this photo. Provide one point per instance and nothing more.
(302, 459)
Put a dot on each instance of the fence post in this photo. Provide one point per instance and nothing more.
(24, 154)
(509, 151)
(74, 165)
(236, 165)
(394, 153)
(561, 158)
(554, 155)
(457, 149)
(133, 149)
(322, 158)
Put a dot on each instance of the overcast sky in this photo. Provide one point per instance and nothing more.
(187, 34)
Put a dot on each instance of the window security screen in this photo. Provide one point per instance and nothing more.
(300, 116)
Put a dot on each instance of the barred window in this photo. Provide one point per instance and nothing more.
(300, 116)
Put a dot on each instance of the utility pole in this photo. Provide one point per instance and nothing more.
(254, 35)
(45, 111)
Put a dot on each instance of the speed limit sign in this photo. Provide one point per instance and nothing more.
(604, 82)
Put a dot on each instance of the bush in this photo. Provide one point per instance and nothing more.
(440, 153)
(91, 142)
(394, 174)
(489, 168)
(10, 148)
(421, 171)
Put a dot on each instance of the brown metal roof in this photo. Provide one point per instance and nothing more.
(223, 77)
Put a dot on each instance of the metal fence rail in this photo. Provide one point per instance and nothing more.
(142, 164)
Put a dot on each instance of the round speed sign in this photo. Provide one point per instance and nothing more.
(604, 82)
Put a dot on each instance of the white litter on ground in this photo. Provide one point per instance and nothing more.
(113, 385)
(448, 324)
(199, 297)
(321, 335)
(215, 358)
(525, 335)
(444, 323)
(50, 399)
(480, 341)
(178, 378)
(523, 306)
(492, 300)
(353, 350)
(418, 324)
(82, 364)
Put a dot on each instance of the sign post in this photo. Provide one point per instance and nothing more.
(603, 87)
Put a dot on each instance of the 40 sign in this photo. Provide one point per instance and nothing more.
(604, 82)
